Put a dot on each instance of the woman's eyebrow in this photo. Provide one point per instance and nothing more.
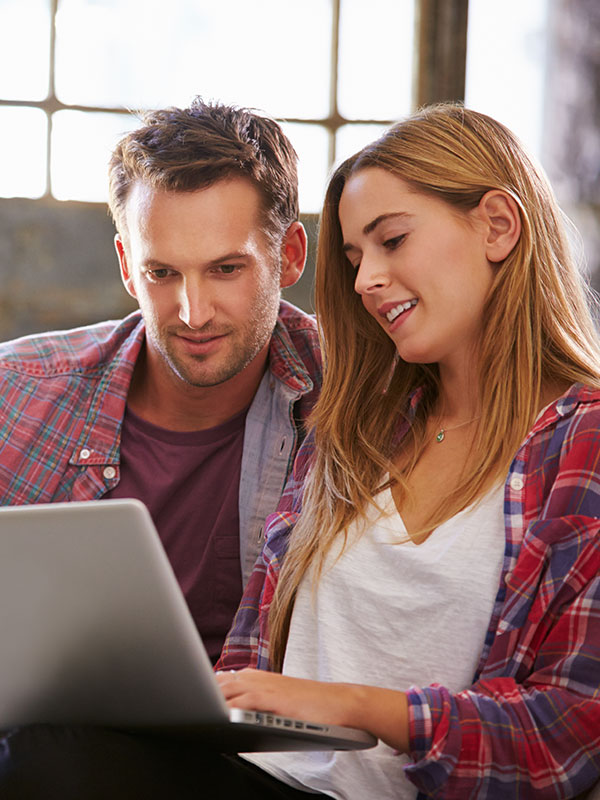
(370, 226)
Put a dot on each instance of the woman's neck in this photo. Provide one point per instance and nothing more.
(458, 398)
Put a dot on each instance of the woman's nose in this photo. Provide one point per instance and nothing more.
(371, 276)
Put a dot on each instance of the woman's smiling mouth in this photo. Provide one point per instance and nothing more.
(395, 312)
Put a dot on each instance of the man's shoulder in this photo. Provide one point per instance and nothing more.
(295, 320)
(295, 352)
(82, 350)
(300, 329)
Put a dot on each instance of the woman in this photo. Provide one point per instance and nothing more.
(440, 587)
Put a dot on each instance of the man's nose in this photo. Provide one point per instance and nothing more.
(195, 305)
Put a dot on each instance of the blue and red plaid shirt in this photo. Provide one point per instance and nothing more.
(529, 726)
(63, 397)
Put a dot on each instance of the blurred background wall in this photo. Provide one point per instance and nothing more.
(335, 72)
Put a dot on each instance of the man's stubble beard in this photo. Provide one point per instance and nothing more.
(252, 337)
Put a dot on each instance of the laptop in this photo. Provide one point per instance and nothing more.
(95, 631)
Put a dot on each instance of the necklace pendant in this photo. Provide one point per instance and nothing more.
(440, 437)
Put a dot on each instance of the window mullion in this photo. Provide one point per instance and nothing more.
(440, 51)
(334, 113)
(51, 99)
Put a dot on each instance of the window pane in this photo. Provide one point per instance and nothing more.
(24, 49)
(351, 138)
(375, 59)
(311, 142)
(269, 54)
(506, 53)
(81, 146)
(23, 152)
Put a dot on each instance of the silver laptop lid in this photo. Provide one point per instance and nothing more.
(95, 630)
(87, 596)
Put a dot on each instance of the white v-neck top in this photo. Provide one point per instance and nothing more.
(393, 614)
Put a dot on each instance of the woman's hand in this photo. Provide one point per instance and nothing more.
(382, 712)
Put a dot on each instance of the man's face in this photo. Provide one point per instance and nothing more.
(206, 281)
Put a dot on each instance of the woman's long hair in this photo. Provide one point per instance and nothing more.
(537, 329)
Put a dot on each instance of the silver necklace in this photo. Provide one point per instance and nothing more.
(441, 435)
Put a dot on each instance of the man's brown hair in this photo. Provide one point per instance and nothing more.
(183, 150)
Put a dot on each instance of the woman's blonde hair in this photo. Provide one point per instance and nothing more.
(537, 329)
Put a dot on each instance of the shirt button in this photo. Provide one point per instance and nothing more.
(109, 473)
(516, 483)
(85, 453)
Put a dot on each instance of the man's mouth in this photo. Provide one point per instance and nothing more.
(200, 345)
(200, 340)
(395, 312)
(203, 338)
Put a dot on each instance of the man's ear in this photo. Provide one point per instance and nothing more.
(293, 254)
(500, 213)
(124, 267)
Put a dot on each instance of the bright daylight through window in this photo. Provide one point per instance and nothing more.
(335, 75)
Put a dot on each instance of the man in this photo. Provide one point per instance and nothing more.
(196, 403)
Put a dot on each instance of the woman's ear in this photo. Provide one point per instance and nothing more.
(500, 214)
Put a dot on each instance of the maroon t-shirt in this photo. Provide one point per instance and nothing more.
(190, 484)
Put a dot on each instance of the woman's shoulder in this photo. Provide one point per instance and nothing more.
(581, 404)
(580, 393)
(569, 431)
(565, 438)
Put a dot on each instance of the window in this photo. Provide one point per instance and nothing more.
(506, 64)
(69, 69)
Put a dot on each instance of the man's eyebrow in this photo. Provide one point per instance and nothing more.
(370, 226)
(236, 254)
(154, 263)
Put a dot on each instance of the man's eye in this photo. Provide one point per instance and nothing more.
(158, 274)
(228, 269)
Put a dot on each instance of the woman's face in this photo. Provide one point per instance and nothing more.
(421, 267)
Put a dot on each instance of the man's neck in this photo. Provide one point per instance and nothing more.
(179, 406)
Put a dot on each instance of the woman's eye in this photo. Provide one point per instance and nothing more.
(394, 242)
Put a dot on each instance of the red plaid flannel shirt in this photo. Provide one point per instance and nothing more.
(529, 725)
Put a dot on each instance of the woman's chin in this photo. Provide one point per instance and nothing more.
(412, 356)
